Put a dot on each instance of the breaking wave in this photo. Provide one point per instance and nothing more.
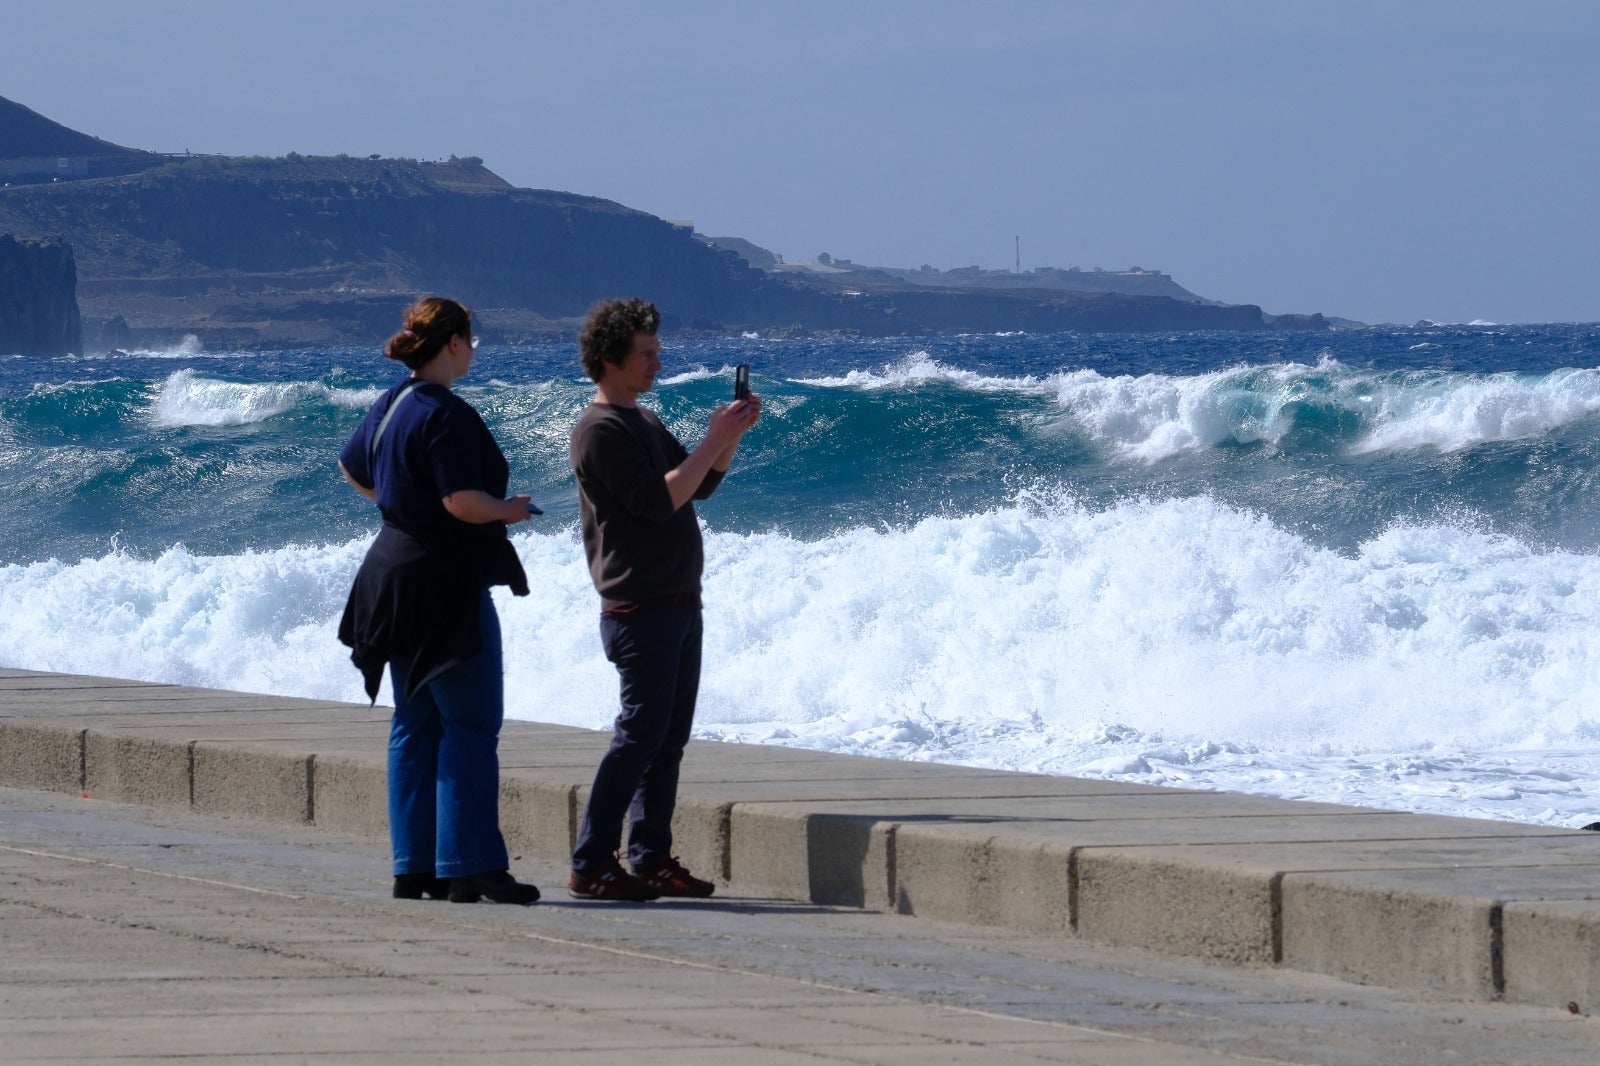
(1180, 642)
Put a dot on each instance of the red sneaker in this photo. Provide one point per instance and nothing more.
(670, 878)
(611, 882)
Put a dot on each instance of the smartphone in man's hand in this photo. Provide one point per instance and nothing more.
(741, 381)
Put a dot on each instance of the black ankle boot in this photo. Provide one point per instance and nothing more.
(415, 886)
(496, 886)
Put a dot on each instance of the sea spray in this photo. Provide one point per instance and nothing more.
(1353, 566)
(186, 399)
(1042, 636)
(1156, 416)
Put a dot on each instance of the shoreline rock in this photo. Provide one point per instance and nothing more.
(38, 298)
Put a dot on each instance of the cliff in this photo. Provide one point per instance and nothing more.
(249, 251)
(257, 227)
(38, 298)
(297, 250)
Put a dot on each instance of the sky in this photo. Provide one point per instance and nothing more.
(1381, 161)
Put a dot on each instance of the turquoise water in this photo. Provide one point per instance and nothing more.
(1357, 566)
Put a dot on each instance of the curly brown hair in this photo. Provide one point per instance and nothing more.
(428, 326)
(608, 332)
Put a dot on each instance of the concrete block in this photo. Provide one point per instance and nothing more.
(536, 816)
(350, 794)
(1371, 930)
(128, 768)
(700, 837)
(1469, 931)
(1224, 901)
(836, 859)
(1174, 900)
(963, 873)
(1552, 953)
(964, 844)
(259, 782)
(42, 756)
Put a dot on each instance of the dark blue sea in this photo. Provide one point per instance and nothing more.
(1360, 566)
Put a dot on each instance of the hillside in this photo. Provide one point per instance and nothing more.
(36, 149)
(248, 251)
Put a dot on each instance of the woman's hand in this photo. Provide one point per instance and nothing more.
(519, 509)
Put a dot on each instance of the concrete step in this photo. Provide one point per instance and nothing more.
(1466, 908)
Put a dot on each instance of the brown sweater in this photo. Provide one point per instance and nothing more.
(639, 548)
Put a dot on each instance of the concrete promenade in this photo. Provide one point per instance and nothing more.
(1445, 909)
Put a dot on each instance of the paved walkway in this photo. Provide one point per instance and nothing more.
(1273, 890)
(133, 934)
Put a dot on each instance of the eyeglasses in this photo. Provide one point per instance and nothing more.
(474, 342)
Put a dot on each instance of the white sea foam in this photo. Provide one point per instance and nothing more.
(360, 398)
(1154, 416)
(1151, 417)
(186, 399)
(1177, 642)
(698, 373)
(920, 368)
(187, 348)
(1452, 411)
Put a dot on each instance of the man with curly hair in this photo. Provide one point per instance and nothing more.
(636, 487)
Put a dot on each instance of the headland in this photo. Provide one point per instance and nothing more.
(248, 252)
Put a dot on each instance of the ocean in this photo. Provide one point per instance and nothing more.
(1360, 567)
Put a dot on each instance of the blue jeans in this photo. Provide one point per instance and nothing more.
(656, 652)
(444, 770)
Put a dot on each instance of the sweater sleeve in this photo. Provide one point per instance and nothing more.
(713, 478)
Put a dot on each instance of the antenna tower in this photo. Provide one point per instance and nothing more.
(1019, 253)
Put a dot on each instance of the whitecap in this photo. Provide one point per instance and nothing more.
(1152, 417)
(187, 399)
(698, 373)
(1177, 641)
(1455, 411)
(920, 368)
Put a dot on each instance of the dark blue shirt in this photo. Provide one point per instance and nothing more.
(434, 445)
(417, 595)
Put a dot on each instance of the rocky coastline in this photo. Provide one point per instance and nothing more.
(38, 298)
(295, 251)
